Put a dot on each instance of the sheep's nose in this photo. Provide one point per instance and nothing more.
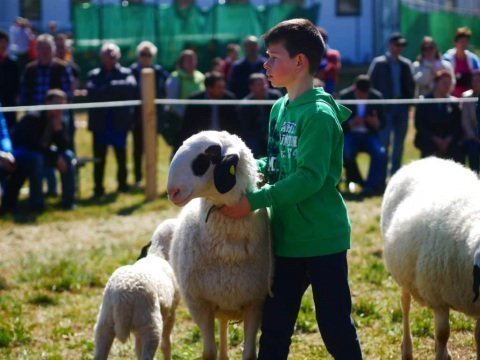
(173, 193)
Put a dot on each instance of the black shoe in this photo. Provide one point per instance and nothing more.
(124, 189)
(98, 194)
(69, 207)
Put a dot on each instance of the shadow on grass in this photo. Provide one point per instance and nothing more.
(98, 200)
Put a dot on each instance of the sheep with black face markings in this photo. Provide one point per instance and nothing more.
(223, 266)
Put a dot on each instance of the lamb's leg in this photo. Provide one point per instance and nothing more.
(251, 322)
(104, 336)
(407, 348)
(150, 339)
(477, 337)
(223, 339)
(168, 323)
(442, 333)
(204, 317)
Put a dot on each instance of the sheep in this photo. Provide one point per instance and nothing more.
(140, 298)
(430, 222)
(223, 266)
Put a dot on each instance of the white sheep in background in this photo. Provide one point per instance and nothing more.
(431, 229)
(140, 298)
(222, 265)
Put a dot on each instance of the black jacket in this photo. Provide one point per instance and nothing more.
(30, 133)
(198, 117)
(118, 84)
(349, 94)
(381, 77)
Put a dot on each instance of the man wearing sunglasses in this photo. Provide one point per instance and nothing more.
(392, 75)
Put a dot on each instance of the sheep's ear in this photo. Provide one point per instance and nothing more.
(144, 251)
(224, 174)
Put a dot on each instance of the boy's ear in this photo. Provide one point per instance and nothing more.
(302, 61)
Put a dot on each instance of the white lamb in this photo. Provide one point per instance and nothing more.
(140, 298)
(431, 228)
(223, 266)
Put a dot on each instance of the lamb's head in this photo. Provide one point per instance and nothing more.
(213, 165)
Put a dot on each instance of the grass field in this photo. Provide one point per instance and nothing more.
(53, 269)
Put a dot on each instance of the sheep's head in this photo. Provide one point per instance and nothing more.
(214, 165)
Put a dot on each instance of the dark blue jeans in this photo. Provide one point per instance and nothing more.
(473, 152)
(29, 165)
(328, 276)
(370, 144)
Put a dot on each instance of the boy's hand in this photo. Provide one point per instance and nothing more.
(237, 211)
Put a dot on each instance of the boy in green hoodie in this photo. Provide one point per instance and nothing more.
(311, 229)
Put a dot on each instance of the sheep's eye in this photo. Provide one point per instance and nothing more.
(200, 165)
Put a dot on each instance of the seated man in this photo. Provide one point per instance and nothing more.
(41, 140)
(361, 135)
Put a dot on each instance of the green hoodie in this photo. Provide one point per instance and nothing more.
(303, 167)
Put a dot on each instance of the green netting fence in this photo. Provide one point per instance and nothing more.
(441, 25)
(173, 29)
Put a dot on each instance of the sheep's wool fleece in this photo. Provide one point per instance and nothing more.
(223, 262)
(431, 229)
(144, 286)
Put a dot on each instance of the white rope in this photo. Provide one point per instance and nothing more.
(111, 104)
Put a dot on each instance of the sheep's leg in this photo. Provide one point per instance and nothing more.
(442, 333)
(203, 316)
(223, 339)
(477, 337)
(150, 345)
(104, 336)
(168, 323)
(251, 322)
(407, 348)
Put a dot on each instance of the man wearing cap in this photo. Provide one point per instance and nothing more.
(392, 75)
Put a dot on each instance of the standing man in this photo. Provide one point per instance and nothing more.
(41, 75)
(241, 69)
(20, 37)
(329, 66)
(392, 75)
(9, 81)
(109, 126)
(146, 52)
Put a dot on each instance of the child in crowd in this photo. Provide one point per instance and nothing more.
(310, 224)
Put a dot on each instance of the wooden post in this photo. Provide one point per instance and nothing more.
(149, 118)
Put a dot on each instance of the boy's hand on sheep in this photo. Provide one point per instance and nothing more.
(237, 211)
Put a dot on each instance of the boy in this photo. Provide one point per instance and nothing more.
(310, 224)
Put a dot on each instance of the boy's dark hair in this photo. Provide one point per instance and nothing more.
(363, 83)
(4, 36)
(299, 36)
(212, 77)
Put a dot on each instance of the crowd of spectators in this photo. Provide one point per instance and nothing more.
(41, 70)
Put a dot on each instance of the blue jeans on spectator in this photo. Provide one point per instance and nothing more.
(369, 143)
(472, 148)
(328, 276)
(396, 124)
(29, 164)
(49, 176)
